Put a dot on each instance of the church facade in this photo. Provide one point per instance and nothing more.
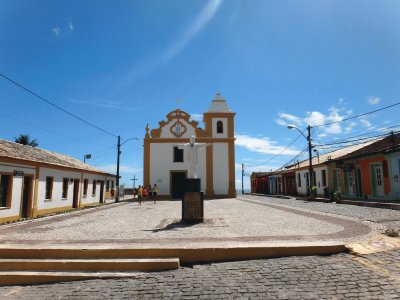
(166, 164)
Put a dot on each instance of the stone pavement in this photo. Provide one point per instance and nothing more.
(387, 217)
(227, 220)
(342, 276)
(247, 220)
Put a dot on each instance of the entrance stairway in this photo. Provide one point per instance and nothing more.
(35, 266)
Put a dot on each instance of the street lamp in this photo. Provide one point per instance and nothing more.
(118, 154)
(310, 168)
(86, 156)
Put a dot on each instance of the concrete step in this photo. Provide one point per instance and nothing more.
(138, 264)
(186, 255)
(40, 277)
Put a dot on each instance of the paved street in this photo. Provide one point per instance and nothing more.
(342, 276)
(387, 217)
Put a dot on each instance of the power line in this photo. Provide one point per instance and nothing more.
(56, 106)
(49, 131)
(382, 129)
(336, 147)
(294, 158)
(300, 154)
(265, 162)
(353, 140)
(361, 115)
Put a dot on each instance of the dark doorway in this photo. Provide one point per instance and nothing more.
(75, 201)
(177, 184)
(26, 208)
(102, 191)
(358, 182)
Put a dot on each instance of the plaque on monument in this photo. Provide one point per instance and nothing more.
(192, 207)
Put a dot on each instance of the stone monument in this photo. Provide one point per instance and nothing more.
(193, 198)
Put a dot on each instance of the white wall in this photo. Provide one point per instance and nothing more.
(394, 159)
(56, 196)
(17, 183)
(221, 168)
(224, 134)
(166, 132)
(161, 162)
(320, 188)
(90, 198)
(56, 199)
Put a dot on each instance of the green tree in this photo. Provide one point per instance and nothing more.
(24, 139)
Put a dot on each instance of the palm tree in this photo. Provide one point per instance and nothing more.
(24, 139)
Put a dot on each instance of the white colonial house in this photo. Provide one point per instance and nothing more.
(35, 182)
(166, 165)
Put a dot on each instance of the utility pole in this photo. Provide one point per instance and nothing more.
(242, 178)
(310, 168)
(118, 154)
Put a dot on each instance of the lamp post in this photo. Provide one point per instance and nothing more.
(310, 168)
(86, 156)
(242, 178)
(118, 154)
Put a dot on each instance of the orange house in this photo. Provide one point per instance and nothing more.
(368, 172)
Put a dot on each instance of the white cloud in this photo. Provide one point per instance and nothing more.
(281, 122)
(257, 168)
(261, 145)
(196, 117)
(56, 31)
(148, 65)
(315, 118)
(105, 103)
(205, 16)
(262, 168)
(364, 122)
(349, 127)
(70, 26)
(292, 120)
(373, 100)
(113, 169)
(333, 129)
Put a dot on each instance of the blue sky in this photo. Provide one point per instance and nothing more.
(123, 64)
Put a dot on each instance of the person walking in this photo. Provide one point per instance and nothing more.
(139, 193)
(155, 191)
(144, 193)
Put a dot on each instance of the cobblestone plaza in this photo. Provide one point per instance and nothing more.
(249, 219)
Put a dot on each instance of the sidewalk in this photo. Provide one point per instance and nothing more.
(386, 205)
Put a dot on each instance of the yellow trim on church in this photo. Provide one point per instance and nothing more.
(202, 136)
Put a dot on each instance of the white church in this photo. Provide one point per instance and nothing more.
(166, 165)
